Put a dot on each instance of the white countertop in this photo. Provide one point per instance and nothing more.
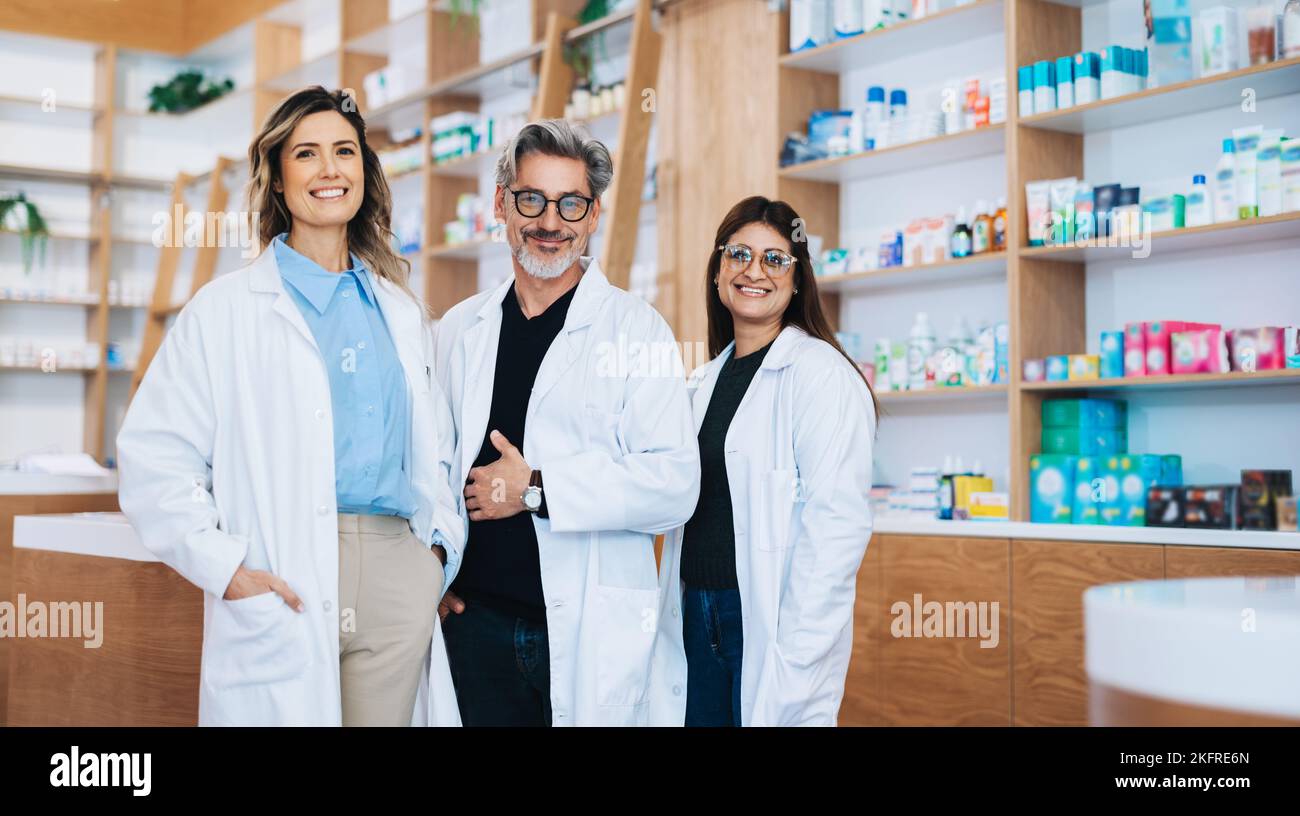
(15, 483)
(1089, 532)
(108, 535)
(1231, 643)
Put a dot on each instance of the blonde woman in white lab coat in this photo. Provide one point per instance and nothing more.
(289, 453)
(756, 619)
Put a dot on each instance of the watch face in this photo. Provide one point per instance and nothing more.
(532, 498)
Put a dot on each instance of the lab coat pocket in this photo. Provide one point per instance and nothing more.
(603, 432)
(255, 641)
(778, 492)
(628, 625)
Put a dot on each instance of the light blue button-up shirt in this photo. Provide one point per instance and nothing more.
(368, 391)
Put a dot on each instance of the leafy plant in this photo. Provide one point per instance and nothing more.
(467, 8)
(581, 55)
(187, 91)
(19, 215)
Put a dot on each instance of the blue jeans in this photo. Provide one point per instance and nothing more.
(714, 639)
(500, 666)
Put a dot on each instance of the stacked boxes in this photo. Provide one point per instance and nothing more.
(1261, 502)
(1051, 491)
(1085, 427)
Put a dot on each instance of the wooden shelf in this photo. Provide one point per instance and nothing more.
(948, 27)
(244, 94)
(1188, 239)
(969, 144)
(474, 250)
(1231, 379)
(987, 265)
(1182, 98)
(90, 301)
(941, 393)
(472, 165)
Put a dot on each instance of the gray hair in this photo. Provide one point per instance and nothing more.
(561, 138)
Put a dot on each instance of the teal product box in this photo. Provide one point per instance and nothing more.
(1139, 474)
(1085, 441)
(1002, 352)
(1171, 470)
(1112, 354)
(1058, 367)
(1110, 508)
(1087, 491)
(1085, 413)
(1051, 488)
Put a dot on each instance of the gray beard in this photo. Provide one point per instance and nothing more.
(547, 269)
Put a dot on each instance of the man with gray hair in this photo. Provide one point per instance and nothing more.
(572, 458)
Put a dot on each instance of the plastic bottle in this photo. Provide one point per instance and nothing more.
(981, 229)
(960, 244)
(897, 103)
(1198, 204)
(920, 345)
(1000, 225)
(945, 490)
(1225, 184)
(1291, 29)
(875, 117)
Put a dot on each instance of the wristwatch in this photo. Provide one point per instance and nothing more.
(532, 497)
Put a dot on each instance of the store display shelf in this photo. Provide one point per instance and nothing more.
(948, 27)
(1154, 104)
(319, 69)
(218, 105)
(1230, 379)
(943, 394)
(472, 165)
(987, 265)
(381, 40)
(969, 144)
(75, 300)
(1263, 539)
(1189, 239)
(469, 250)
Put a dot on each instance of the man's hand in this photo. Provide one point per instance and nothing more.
(496, 491)
(450, 602)
(246, 583)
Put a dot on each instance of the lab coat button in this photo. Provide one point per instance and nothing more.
(361, 344)
(674, 611)
(328, 606)
(322, 510)
(677, 691)
(320, 413)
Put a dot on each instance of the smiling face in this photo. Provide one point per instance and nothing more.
(546, 245)
(321, 173)
(755, 295)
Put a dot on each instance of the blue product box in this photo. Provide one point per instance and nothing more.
(1058, 367)
(1112, 354)
(1110, 510)
(1171, 470)
(1051, 488)
(1088, 487)
(1002, 352)
(825, 124)
(1142, 474)
(1085, 413)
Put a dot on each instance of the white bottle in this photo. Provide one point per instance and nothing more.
(1198, 204)
(874, 15)
(1291, 29)
(847, 20)
(920, 345)
(1225, 185)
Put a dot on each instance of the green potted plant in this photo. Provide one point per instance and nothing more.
(19, 215)
(187, 91)
(581, 55)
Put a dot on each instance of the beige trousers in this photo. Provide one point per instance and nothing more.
(389, 585)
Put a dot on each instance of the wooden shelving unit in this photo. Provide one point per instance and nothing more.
(1046, 286)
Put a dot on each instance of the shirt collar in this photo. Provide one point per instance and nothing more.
(315, 284)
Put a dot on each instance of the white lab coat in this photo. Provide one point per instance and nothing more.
(798, 456)
(610, 429)
(226, 457)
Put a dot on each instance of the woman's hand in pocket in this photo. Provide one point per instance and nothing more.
(246, 583)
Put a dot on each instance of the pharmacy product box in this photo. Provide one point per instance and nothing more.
(1211, 507)
(1034, 371)
(1086, 494)
(1085, 366)
(1112, 354)
(1198, 351)
(1260, 490)
(1085, 413)
(962, 487)
(1110, 507)
(1085, 441)
(1158, 336)
(1051, 488)
(1286, 514)
(1171, 470)
(1262, 349)
(1137, 474)
(1293, 344)
(988, 506)
(1002, 352)
(1135, 350)
(1165, 507)
(1058, 367)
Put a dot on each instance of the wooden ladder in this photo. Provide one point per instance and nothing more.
(205, 260)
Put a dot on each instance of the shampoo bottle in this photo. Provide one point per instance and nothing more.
(1198, 204)
(1225, 185)
(920, 345)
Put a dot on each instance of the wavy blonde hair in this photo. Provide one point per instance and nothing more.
(370, 233)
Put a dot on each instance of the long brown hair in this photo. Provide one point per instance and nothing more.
(805, 308)
(370, 234)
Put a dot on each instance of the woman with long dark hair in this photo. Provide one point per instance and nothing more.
(289, 452)
(756, 614)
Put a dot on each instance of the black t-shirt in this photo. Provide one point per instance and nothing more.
(709, 540)
(501, 568)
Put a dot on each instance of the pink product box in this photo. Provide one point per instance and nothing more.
(1034, 370)
(1198, 351)
(1135, 350)
(1157, 335)
(1262, 349)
